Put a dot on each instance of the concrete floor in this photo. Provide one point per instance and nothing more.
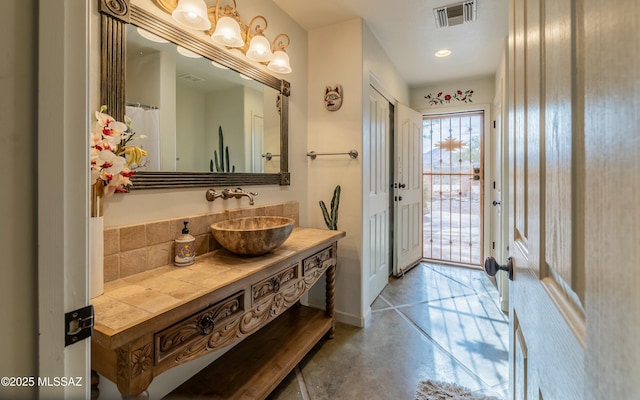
(438, 322)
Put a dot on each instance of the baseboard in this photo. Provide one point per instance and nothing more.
(345, 318)
(350, 319)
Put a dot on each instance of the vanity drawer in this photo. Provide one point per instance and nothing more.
(314, 266)
(212, 322)
(272, 284)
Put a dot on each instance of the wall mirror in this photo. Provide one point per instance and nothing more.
(187, 95)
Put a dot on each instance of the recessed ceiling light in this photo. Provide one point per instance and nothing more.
(187, 53)
(150, 36)
(215, 64)
(443, 53)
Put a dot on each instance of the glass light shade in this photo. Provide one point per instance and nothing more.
(227, 33)
(259, 49)
(187, 52)
(280, 62)
(192, 14)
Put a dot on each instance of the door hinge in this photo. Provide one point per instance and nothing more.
(493, 245)
(494, 124)
(78, 325)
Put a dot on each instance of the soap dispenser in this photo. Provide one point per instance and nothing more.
(185, 248)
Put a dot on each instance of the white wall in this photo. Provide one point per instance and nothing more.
(190, 117)
(346, 53)
(376, 63)
(335, 57)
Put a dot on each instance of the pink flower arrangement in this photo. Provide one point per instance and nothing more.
(113, 158)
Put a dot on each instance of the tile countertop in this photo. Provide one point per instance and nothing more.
(128, 302)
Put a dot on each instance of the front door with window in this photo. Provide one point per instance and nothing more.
(452, 174)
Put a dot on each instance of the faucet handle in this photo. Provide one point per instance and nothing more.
(211, 195)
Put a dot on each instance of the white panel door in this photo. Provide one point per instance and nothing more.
(547, 295)
(378, 268)
(408, 190)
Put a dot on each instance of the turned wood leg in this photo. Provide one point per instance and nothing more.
(95, 381)
(329, 298)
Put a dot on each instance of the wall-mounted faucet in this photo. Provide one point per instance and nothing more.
(228, 193)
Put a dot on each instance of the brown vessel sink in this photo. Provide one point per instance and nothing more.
(252, 236)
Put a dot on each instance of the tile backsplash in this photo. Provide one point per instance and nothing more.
(132, 249)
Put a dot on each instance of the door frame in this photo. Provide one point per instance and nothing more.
(486, 147)
(63, 191)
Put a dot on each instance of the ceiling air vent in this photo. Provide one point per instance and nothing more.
(190, 77)
(455, 14)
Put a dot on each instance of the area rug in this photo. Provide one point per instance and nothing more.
(434, 390)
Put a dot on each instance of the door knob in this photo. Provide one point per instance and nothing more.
(402, 186)
(491, 267)
(496, 202)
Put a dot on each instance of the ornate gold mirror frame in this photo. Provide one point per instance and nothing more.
(115, 15)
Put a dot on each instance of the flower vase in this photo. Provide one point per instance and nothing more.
(96, 235)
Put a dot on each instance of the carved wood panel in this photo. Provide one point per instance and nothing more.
(212, 324)
(273, 284)
(313, 267)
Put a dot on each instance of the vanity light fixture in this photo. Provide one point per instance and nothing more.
(227, 28)
(443, 53)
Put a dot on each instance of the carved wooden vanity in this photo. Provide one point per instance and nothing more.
(150, 322)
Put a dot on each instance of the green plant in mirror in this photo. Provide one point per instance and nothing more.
(331, 218)
(223, 165)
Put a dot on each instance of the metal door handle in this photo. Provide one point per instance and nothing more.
(496, 202)
(492, 267)
(402, 186)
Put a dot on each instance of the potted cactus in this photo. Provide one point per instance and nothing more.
(331, 218)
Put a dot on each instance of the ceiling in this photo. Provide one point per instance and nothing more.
(406, 30)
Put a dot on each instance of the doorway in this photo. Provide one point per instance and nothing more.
(452, 187)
